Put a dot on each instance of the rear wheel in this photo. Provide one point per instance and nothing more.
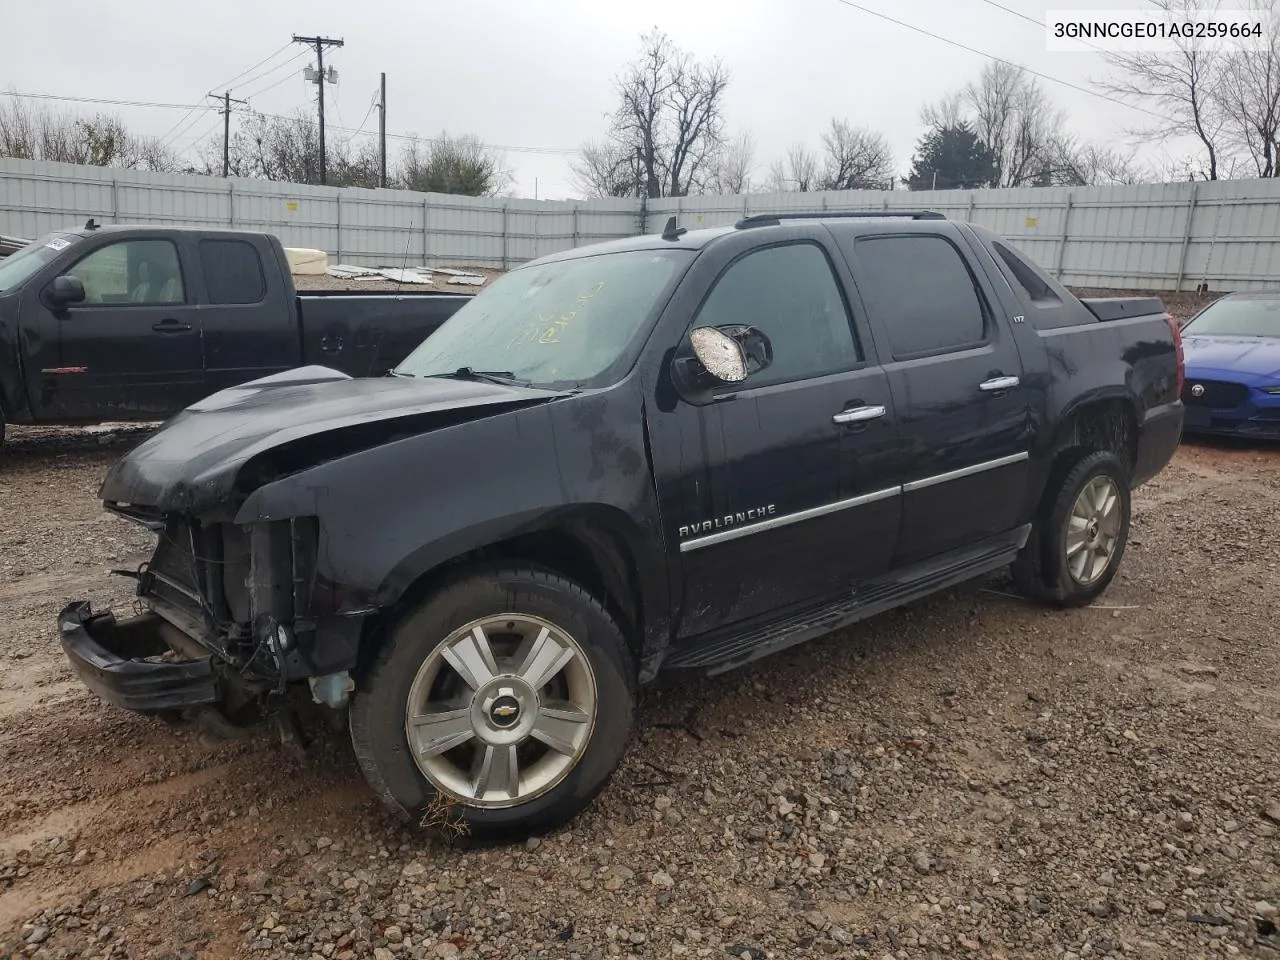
(506, 700)
(1079, 538)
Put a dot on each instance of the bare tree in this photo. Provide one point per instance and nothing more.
(948, 113)
(1183, 87)
(730, 170)
(1071, 164)
(856, 158)
(607, 169)
(799, 172)
(1249, 92)
(669, 116)
(1012, 115)
(41, 133)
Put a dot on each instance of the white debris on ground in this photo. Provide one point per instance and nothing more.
(421, 275)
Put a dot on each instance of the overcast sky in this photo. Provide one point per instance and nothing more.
(538, 74)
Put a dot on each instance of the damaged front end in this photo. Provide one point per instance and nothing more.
(228, 621)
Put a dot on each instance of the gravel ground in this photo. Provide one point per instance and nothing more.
(972, 776)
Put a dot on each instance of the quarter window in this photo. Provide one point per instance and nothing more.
(232, 271)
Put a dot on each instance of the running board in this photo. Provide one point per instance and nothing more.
(714, 655)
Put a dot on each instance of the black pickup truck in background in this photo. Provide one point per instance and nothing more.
(138, 322)
(676, 452)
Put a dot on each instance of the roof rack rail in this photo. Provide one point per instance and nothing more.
(762, 219)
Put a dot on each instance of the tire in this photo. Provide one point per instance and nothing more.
(499, 706)
(1043, 571)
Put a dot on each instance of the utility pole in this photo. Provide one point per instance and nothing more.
(382, 132)
(227, 101)
(320, 79)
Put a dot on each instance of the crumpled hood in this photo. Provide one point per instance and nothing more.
(1255, 357)
(270, 427)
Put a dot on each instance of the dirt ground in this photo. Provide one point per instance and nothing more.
(970, 777)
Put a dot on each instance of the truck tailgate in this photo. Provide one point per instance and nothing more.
(1122, 308)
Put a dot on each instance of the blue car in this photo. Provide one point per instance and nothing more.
(1232, 350)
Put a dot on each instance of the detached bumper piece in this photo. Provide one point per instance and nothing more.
(129, 663)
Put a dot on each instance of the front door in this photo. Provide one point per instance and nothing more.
(955, 371)
(132, 348)
(777, 494)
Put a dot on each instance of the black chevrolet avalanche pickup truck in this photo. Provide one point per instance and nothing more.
(675, 452)
(138, 322)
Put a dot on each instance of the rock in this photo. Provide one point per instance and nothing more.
(414, 869)
(785, 807)
(1107, 879)
(532, 844)
(662, 879)
(38, 935)
(1156, 907)
(1265, 910)
(393, 934)
(382, 953)
(446, 950)
(817, 860)
(1272, 811)
(1185, 822)
(1131, 735)
(842, 936)
(923, 862)
(662, 803)
(1101, 909)
(619, 872)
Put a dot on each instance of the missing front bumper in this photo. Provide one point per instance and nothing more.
(130, 664)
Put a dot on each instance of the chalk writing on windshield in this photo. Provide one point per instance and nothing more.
(547, 328)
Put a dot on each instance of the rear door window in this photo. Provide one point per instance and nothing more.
(923, 292)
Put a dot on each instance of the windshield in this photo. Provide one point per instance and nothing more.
(1237, 318)
(19, 267)
(566, 323)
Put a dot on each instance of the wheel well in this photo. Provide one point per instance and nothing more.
(592, 556)
(1102, 425)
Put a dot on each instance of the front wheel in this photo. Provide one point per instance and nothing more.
(1079, 538)
(506, 698)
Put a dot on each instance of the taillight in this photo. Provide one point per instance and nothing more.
(1177, 346)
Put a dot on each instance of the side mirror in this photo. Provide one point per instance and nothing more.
(720, 355)
(62, 292)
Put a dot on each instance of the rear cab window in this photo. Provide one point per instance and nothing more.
(1048, 305)
(232, 272)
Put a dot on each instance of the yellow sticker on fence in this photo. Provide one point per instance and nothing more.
(1033, 221)
(292, 205)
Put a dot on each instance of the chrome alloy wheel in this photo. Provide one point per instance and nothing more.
(501, 711)
(1093, 530)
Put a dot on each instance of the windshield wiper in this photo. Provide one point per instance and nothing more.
(505, 377)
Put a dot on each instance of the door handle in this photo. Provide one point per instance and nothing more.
(858, 414)
(170, 326)
(998, 383)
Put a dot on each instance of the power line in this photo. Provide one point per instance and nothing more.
(271, 86)
(267, 73)
(226, 84)
(1016, 13)
(544, 151)
(992, 56)
(118, 103)
(172, 132)
(1038, 23)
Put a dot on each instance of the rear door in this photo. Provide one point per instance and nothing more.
(248, 325)
(777, 498)
(956, 376)
(132, 348)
